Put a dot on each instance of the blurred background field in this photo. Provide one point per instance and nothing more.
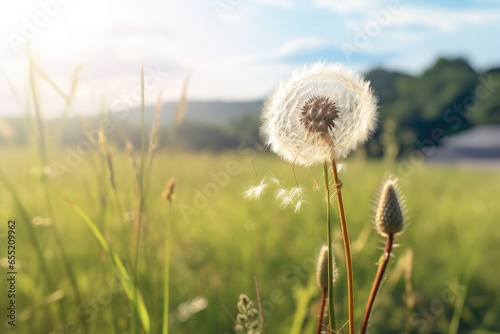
(220, 241)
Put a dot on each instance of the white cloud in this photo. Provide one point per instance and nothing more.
(280, 3)
(344, 6)
(297, 44)
(443, 20)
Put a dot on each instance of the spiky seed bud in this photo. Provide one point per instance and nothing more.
(390, 214)
(322, 269)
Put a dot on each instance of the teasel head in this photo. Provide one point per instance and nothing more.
(320, 113)
(390, 214)
(322, 269)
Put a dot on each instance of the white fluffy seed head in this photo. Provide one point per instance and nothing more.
(321, 112)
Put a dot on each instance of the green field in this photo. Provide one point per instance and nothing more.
(220, 241)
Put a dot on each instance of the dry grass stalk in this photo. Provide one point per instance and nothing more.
(181, 108)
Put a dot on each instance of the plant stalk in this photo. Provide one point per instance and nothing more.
(331, 304)
(378, 279)
(324, 293)
(347, 248)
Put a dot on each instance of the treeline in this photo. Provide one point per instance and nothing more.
(447, 98)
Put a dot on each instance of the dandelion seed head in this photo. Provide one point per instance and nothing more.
(322, 112)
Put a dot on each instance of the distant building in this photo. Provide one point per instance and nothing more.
(477, 145)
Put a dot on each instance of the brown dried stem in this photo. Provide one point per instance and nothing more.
(322, 310)
(378, 279)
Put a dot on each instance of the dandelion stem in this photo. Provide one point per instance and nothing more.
(331, 304)
(378, 279)
(322, 310)
(347, 248)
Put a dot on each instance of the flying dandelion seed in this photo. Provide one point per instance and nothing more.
(255, 191)
(290, 197)
(298, 206)
(322, 112)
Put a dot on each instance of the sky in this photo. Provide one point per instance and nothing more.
(230, 49)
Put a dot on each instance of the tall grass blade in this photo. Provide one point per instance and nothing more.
(33, 240)
(128, 285)
(303, 297)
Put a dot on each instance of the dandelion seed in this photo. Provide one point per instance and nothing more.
(322, 112)
(298, 206)
(342, 167)
(283, 196)
(272, 180)
(290, 197)
(255, 191)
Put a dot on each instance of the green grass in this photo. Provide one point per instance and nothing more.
(226, 240)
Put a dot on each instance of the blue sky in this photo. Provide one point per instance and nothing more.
(234, 49)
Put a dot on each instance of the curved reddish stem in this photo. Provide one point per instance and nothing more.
(376, 284)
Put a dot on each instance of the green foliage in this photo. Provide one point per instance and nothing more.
(488, 108)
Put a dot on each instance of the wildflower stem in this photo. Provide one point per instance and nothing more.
(331, 304)
(321, 310)
(347, 248)
(378, 279)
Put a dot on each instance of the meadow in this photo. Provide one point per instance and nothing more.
(442, 279)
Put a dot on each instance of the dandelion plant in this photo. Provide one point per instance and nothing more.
(318, 116)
